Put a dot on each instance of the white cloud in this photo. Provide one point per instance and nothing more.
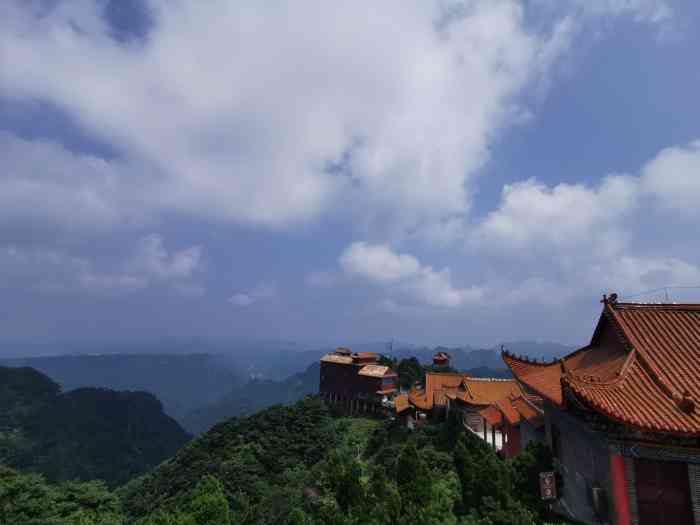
(378, 263)
(53, 270)
(262, 292)
(673, 179)
(153, 259)
(573, 240)
(531, 213)
(44, 184)
(403, 276)
(236, 111)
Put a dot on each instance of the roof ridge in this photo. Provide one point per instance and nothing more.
(485, 379)
(525, 359)
(456, 374)
(659, 306)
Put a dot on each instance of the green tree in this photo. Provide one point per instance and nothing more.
(168, 518)
(527, 465)
(413, 478)
(410, 371)
(208, 504)
(384, 500)
(298, 517)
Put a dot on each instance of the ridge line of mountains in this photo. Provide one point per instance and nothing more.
(200, 389)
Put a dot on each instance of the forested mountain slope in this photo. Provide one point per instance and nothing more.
(85, 434)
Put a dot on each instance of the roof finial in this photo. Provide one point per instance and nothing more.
(612, 299)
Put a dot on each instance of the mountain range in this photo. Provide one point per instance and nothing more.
(83, 434)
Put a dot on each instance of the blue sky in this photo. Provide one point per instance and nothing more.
(439, 172)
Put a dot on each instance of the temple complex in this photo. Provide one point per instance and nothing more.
(622, 416)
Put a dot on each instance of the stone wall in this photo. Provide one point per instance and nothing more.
(583, 464)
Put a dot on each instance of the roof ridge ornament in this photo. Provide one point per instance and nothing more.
(686, 403)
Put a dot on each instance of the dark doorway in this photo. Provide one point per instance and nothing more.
(663, 492)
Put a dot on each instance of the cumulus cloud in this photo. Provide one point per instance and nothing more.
(673, 179)
(270, 113)
(404, 277)
(53, 270)
(531, 212)
(262, 292)
(153, 259)
(44, 185)
(578, 239)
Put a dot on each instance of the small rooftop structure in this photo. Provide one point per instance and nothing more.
(337, 358)
(441, 359)
(377, 371)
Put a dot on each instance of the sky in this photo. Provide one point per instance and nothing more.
(441, 172)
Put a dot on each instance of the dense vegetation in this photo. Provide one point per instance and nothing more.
(84, 434)
(254, 396)
(301, 465)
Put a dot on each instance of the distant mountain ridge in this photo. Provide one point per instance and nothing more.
(182, 382)
(84, 434)
(253, 396)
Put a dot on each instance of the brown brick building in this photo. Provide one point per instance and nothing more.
(355, 381)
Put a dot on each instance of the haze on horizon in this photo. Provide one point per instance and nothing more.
(441, 172)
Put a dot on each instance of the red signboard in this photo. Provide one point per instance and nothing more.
(548, 486)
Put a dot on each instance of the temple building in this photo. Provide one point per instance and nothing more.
(431, 397)
(355, 381)
(477, 393)
(622, 416)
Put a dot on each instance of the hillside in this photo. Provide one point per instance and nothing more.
(301, 465)
(253, 396)
(182, 382)
(254, 457)
(85, 434)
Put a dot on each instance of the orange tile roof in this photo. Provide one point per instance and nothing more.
(513, 409)
(528, 411)
(492, 415)
(650, 380)
(365, 354)
(437, 386)
(508, 410)
(486, 390)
